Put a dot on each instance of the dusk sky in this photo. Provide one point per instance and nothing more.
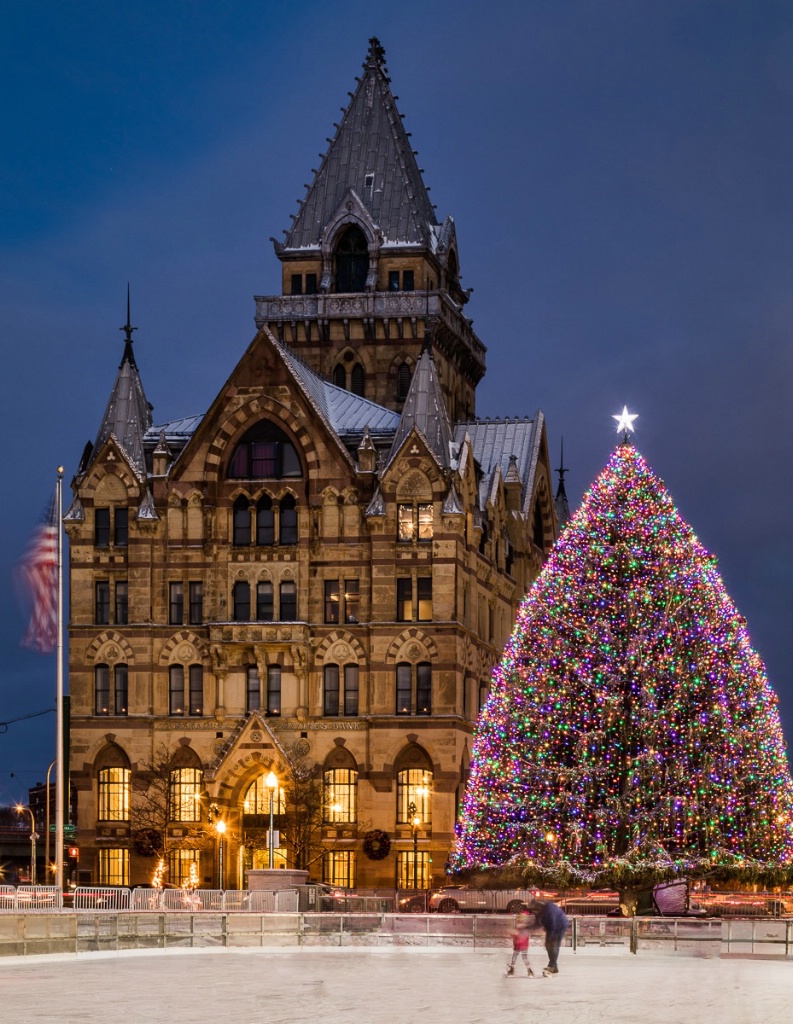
(621, 177)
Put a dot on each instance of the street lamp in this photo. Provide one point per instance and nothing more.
(33, 838)
(220, 828)
(415, 821)
(272, 784)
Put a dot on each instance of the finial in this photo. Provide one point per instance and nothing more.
(560, 491)
(625, 422)
(375, 58)
(128, 356)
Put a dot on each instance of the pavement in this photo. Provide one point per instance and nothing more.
(396, 985)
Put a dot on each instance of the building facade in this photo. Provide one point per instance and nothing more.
(285, 612)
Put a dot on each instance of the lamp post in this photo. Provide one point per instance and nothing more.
(272, 784)
(47, 827)
(220, 828)
(33, 838)
(415, 821)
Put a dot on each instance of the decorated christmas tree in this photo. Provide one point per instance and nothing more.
(631, 732)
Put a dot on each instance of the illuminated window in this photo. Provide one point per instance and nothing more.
(104, 702)
(185, 794)
(413, 870)
(196, 704)
(414, 680)
(176, 690)
(414, 522)
(342, 605)
(257, 798)
(179, 865)
(113, 794)
(338, 868)
(341, 795)
(273, 689)
(414, 786)
(114, 867)
(335, 700)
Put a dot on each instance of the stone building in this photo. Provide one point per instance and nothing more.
(316, 577)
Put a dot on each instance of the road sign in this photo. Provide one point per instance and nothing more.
(68, 830)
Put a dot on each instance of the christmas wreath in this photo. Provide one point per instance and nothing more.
(376, 844)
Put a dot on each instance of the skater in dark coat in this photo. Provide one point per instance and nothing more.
(554, 921)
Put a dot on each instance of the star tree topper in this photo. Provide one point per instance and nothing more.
(625, 421)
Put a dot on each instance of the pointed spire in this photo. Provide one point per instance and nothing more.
(370, 155)
(129, 355)
(425, 410)
(128, 413)
(560, 500)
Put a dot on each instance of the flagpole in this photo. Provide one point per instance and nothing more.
(59, 774)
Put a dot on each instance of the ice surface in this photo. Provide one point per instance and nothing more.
(390, 986)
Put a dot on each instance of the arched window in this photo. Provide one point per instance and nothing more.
(288, 523)
(339, 376)
(264, 453)
(403, 382)
(241, 533)
(358, 380)
(107, 700)
(414, 786)
(257, 798)
(352, 261)
(539, 529)
(340, 797)
(185, 794)
(265, 522)
(113, 794)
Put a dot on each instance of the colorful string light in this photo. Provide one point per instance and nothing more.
(630, 720)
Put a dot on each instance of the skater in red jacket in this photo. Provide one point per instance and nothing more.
(520, 942)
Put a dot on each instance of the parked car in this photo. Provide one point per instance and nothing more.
(457, 899)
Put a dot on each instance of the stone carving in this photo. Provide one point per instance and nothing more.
(256, 736)
(186, 652)
(341, 651)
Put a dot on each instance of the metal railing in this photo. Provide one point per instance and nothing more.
(30, 899)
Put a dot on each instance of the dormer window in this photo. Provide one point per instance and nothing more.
(352, 261)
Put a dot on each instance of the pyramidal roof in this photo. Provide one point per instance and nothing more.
(425, 410)
(371, 155)
(128, 413)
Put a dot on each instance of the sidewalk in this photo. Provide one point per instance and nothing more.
(389, 986)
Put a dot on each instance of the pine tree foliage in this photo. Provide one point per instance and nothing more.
(630, 723)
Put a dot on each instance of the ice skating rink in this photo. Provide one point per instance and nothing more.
(389, 986)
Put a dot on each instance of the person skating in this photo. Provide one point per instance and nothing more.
(554, 921)
(520, 942)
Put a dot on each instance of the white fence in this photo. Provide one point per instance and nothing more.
(29, 899)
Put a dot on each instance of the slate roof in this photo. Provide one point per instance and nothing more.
(425, 409)
(128, 413)
(495, 441)
(372, 155)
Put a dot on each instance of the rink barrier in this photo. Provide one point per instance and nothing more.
(102, 931)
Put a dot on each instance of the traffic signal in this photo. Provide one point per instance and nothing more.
(74, 852)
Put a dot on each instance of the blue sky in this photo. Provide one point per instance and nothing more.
(620, 176)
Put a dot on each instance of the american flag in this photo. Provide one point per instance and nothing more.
(39, 572)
